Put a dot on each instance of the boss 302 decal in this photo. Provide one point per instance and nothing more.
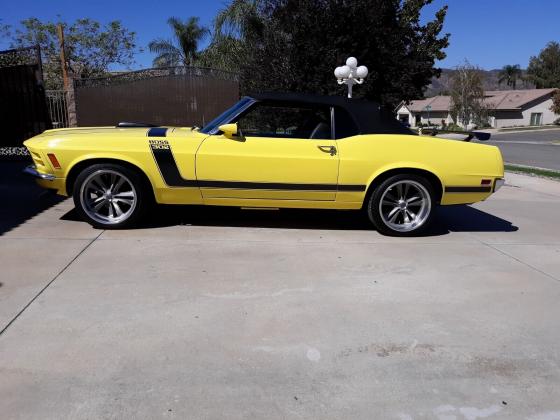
(167, 165)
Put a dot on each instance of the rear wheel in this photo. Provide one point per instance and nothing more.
(402, 205)
(110, 196)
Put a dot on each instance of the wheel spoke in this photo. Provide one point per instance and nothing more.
(118, 185)
(111, 211)
(102, 182)
(391, 197)
(99, 205)
(117, 208)
(99, 186)
(406, 186)
(112, 179)
(126, 194)
(417, 203)
(405, 215)
(127, 201)
(400, 191)
(393, 214)
(411, 215)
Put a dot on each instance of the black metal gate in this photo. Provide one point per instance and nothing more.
(23, 107)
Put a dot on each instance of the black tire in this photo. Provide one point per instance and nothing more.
(381, 215)
(87, 196)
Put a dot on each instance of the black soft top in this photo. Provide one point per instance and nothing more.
(369, 116)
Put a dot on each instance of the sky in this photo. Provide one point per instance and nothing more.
(488, 33)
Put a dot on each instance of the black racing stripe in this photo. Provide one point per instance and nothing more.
(351, 188)
(157, 132)
(467, 189)
(168, 168)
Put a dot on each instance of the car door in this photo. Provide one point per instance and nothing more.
(283, 152)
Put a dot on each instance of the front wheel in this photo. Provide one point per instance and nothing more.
(110, 196)
(402, 205)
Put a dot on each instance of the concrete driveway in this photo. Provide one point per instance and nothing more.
(220, 313)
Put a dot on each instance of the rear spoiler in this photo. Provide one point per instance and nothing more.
(479, 135)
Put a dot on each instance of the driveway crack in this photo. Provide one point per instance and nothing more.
(544, 273)
(49, 283)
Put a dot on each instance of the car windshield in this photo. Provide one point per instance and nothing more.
(227, 115)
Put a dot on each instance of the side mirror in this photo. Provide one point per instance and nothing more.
(230, 131)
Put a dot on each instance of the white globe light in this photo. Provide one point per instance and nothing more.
(362, 72)
(352, 62)
(337, 72)
(345, 72)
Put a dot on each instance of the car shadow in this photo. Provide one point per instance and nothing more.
(459, 218)
(22, 198)
(465, 218)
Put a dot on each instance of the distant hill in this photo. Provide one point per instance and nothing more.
(440, 86)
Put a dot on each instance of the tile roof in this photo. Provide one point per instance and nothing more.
(497, 99)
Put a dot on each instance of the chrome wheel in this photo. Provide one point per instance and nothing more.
(405, 206)
(108, 197)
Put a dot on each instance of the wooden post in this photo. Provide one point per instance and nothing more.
(62, 56)
(71, 104)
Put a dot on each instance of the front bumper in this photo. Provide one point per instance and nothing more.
(31, 170)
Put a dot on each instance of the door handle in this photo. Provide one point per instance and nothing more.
(328, 149)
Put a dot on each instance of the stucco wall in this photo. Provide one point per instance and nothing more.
(500, 118)
(435, 116)
(403, 110)
(523, 117)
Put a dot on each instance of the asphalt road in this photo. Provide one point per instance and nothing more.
(216, 313)
(531, 148)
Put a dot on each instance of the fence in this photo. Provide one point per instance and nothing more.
(23, 108)
(58, 109)
(180, 96)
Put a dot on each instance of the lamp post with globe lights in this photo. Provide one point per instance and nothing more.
(350, 74)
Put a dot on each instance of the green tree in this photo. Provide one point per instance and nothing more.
(544, 69)
(90, 47)
(183, 48)
(300, 42)
(510, 74)
(230, 44)
(556, 103)
(467, 96)
(4, 30)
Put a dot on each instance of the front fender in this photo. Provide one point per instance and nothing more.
(81, 160)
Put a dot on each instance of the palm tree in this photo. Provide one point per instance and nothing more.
(510, 74)
(183, 50)
(237, 18)
(234, 28)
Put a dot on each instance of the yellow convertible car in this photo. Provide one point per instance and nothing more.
(268, 150)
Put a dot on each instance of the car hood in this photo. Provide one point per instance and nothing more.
(95, 130)
(114, 133)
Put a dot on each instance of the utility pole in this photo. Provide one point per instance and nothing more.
(62, 56)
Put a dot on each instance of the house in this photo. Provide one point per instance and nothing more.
(508, 108)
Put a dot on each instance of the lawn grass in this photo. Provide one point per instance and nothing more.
(547, 173)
